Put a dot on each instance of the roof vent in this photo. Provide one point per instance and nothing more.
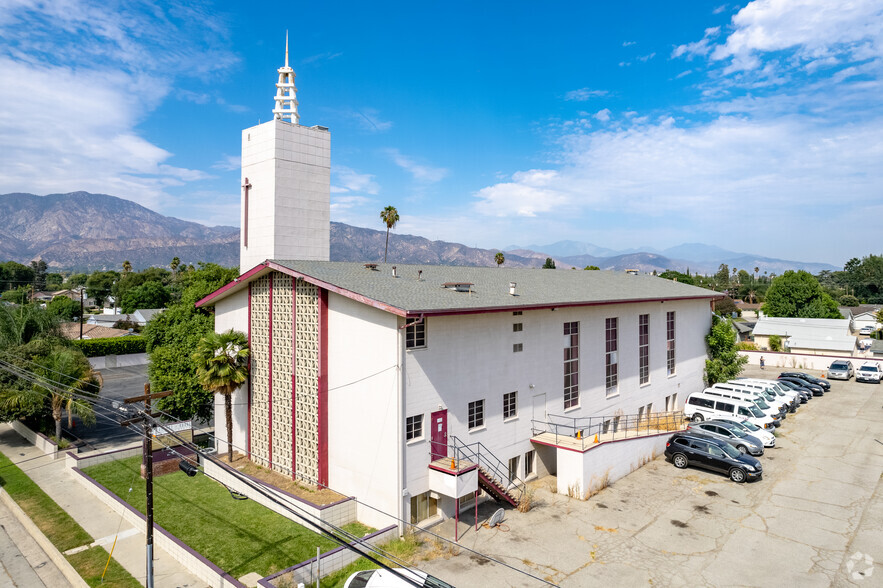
(512, 289)
(394, 274)
(419, 275)
(458, 286)
(371, 266)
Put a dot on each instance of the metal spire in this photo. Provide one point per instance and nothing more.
(286, 92)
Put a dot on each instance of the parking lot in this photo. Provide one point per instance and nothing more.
(814, 519)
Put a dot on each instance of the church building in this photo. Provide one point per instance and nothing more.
(412, 387)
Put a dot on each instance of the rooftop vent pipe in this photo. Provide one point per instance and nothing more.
(419, 275)
(512, 289)
(394, 272)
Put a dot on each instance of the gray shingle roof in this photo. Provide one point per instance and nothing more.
(490, 289)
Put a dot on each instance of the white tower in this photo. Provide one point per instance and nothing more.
(286, 185)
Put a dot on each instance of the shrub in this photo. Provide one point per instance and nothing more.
(775, 343)
(111, 346)
(747, 346)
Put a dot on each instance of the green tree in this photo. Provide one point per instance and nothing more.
(592, 267)
(174, 265)
(40, 269)
(147, 295)
(99, 285)
(127, 267)
(550, 263)
(775, 343)
(54, 281)
(499, 258)
(16, 296)
(724, 362)
(677, 277)
(26, 322)
(14, 275)
(172, 338)
(221, 361)
(75, 280)
(848, 300)
(389, 216)
(725, 306)
(63, 308)
(798, 294)
(743, 277)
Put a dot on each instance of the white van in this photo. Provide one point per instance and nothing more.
(746, 395)
(777, 410)
(773, 387)
(767, 393)
(700, 406)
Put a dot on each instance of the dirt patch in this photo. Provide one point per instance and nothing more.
(679, 524)
(701, 508)
(318, 496)
(711, 493)
(602, 505)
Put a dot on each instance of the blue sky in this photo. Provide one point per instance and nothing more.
(754, 126)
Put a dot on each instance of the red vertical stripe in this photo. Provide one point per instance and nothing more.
(248, 441)
(293, 378)
(270, 374)
(323, 387)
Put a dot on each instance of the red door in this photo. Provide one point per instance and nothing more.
(438, 436)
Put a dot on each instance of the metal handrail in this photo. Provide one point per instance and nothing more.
(615, 427)
(482, 456)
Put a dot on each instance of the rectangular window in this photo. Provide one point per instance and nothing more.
(423, 507)
(644, 348)
(528, 463)
(516, 313)
(571, 365)
(611, 360)
(510, 405)
(517, 348)
(476, 414)
(414, 427)
(513, 469)
(517, 327)
(670, 343)
(415, 335)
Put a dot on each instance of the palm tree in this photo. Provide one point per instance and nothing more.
(127, 267)
(499, 258)
(756, 270)
(174, 265)
(222, 366)
(389, 216)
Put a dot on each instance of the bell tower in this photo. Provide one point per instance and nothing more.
(286, 184)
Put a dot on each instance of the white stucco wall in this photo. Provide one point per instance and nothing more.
(232, 313)
(363, 421)
(470, 357)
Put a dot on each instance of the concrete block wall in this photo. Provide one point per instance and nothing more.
(38, 440)
(334, 560)
(779, 361)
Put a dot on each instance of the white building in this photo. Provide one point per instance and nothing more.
(806, 335)
(363, 375)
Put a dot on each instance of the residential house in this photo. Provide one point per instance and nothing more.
(864, 315)
(806, 335)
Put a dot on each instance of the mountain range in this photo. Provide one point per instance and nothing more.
(87, 232)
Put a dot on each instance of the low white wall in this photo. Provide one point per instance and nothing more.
(38, 440)
(583, 473)
(190, 559)
(84, 460)
(340, 513)
(798, 361)
(334, 560)
(115, 361)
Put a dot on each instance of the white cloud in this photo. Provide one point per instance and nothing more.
(367, 119)
(229, 163)
(815, 29)
(584, 94)
(646, 58)
(684, 73)
(719, 9)
(348, 180)
(420, 172)
(603, 115)
(629, 43)
(328, 56)
(699, 48)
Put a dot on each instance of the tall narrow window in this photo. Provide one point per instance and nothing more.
(571, 365)
(670, 343)
(415, 335)
(510, 405)
(476, 414)
(644, 348)
(611, 359)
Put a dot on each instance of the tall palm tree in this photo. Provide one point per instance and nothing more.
(222, 366)
(127, 266)
(389, 216)
(499, 258)
(174, 265)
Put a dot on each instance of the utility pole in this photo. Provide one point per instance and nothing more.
(147, 445)
(81, 313)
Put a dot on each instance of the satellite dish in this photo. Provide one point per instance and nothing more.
(497, 518)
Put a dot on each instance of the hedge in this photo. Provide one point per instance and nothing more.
(111, 345)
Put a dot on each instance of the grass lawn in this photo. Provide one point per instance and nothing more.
(239, 536)
(61, 529)
(404, 549)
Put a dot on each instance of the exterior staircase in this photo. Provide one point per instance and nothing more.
(493, 474)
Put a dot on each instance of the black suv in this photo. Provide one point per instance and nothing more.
(689, 448)
(815, 388)
(825, 384)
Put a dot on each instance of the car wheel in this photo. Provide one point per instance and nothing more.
(680, 460)
(742, 449)
(737, 475)
(698, 418)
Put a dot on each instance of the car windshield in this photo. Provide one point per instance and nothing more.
(755, 411)
(737, 432)
(761, 404)
(731, 451)
(749, 425)
(868, 368)
(838, 366)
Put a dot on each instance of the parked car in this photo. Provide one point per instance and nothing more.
(383, 578)
(816, 389)
(811, 379)
(702, 407)
(684, 449)
(866, 330)
(767, 438)
(798, 387)
(869, 372)
(733, 435)
(840, 370)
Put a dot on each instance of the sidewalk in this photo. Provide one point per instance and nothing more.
(96, 518)
(22, 561)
